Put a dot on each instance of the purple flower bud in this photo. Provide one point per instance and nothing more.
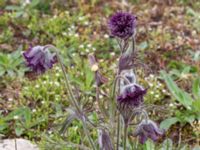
(39, 59)
(131, 95)
(148, 129)
(122, 25)
(99, 78)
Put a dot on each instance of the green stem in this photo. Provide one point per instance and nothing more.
(67, 84)
(125, 135)
(118, 130)
(88, 135)
(72, 98)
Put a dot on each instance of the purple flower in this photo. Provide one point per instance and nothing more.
(122, 25)
(148, 129)
(131, 96)
(39, 59)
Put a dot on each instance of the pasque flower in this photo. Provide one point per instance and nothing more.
(148, 129)
(122, 25)
(131, 95)
(39, 59)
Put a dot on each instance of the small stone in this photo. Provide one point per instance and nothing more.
(20, 144)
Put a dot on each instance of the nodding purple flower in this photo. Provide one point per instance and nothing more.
(148, 129)
(122, 25)
(131, 95)
(39, 59)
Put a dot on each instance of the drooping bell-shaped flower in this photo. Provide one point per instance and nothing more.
(148, 129)
(39, 59)
(131, 95)
(122, 25)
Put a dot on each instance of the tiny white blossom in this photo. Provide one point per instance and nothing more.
(86, 23)
(150, 84)
(89, 45)
(16, 117)
(10, 99)
(57, 83)
(100, 96)
(81, 46)
(37, 86)
(152, 92)
(34, 110)
(112, 53)
(106, 36)
(87, 50)
(76, 35)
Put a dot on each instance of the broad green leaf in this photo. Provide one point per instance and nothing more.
(19, 131)
(2, 71)
(149, 145)
(167, 123)
(183, 97)
(167, 145)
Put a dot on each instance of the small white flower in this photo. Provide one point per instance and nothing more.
(87, 50)
(100, 96)
(80, 18)
(157, 96)
(43, 102)
(112, 53)
(150, 84)
(64, 33)
(72, 27)
(106, 36)
(152, 92)
(34, 110)
(89, 45)
(57, 83)
(81, 46)
(76, 35)
(10, 99)
(70, 34)
(164, 91)
(151, 76)
(171, 104)
(90, 98)
(45, 82)
(57, 74)
(16, 117)
(37, 86)
(94, 49)
(50, 132)
(51, 83)
(86, 23)
(73, 54)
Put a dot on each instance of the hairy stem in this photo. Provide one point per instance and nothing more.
(70, 92)
(125, 135)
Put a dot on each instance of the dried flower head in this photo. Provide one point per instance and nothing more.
(39, 59)
(148, 129)
(131, 95)
(122, 25)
